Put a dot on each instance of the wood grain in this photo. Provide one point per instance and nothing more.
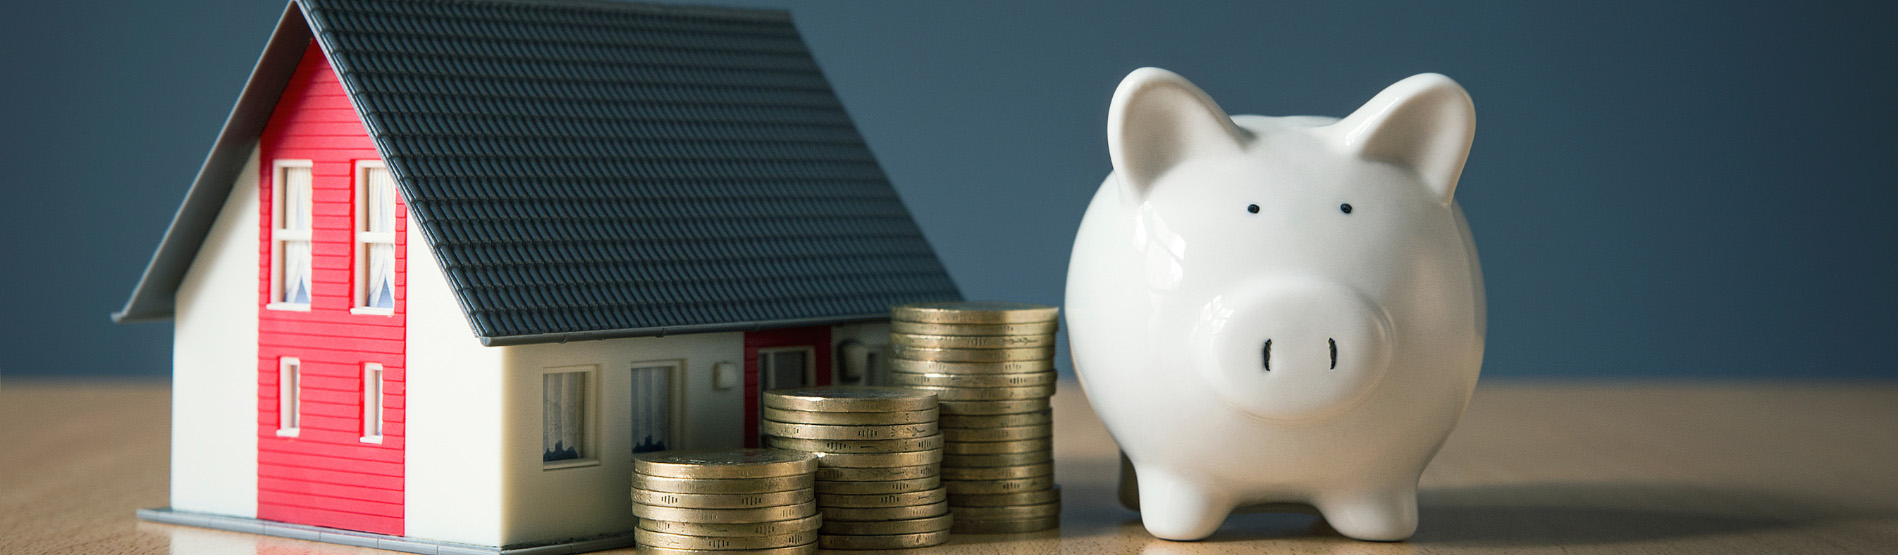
(1633, 467)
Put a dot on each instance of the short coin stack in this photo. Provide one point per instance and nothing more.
(991, 365)
(750, 501)
(878, 459)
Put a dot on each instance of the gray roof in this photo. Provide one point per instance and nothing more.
(598, 169)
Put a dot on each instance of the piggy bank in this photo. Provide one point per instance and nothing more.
(1278, 310)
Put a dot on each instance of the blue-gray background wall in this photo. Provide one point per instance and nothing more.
(1658, 189)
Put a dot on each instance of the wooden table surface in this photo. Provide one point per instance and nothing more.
(1633, 467)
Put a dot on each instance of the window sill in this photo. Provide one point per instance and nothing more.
(292, 307)
(369, 311)
(287, 432)
(557, 465)
(371, 439)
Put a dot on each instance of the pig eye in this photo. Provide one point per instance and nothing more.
(1346, 207)
(1255, 209)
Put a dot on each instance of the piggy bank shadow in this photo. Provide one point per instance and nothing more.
(1548, 514)
(1594, 514)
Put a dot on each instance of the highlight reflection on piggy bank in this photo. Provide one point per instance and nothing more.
(1278, 310)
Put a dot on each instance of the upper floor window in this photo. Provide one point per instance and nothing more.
(290, 207)
(567, 416)
(375, 239)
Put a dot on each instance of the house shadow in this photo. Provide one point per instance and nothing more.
(1550, 514)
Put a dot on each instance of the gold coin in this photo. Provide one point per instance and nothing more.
(1018, 511)
(904, 499)
(974, 312)
(996, 420)
(1010, 433)
(879, 460)
(971, 341)
(729, 485)
(940, 367)
(997, 472)
(876, 474)
(885, 527)
(989, 393)
(806, 549)
(965, 448)
(735, 529)
(884, 513)
(825, 487)
(648, 538)
(890, 541)
(973, 380)
(851, 418)
(721, 500)
(973, 355)
(1008, 406)
(1005, 526)
(985, 487)
(1052, 495)
(956, 394)
(848, 399)
(732, 463)
(998, 459)
(856, 446)
(827, 431)
(724, 516)
(1025, 328)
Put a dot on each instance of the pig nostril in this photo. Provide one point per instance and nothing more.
(1268, 355)
(1334, 353)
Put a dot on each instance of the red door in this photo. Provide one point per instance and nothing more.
(780, 358)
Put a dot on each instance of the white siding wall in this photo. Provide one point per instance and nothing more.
(454, 415)
(547, 504)
(214, 364)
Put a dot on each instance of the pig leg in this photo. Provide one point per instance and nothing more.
(1380, 514)
(1175, 508)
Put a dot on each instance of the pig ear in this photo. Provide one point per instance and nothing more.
(1158, 120)
(1424, 122)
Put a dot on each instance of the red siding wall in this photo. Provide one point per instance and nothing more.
(815, 337)
(326, 475)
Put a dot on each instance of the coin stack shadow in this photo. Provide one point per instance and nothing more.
(878, 459)
(749, 501)
(991, 366)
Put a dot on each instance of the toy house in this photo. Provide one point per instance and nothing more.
(451, 263)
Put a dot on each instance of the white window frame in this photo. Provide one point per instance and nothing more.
(289, 396)
(810, 365)
(362, 265)
(589, 415)
(372, 409)
(280, 236)
(675, 399)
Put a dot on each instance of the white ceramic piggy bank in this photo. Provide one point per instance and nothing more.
(1278, 310)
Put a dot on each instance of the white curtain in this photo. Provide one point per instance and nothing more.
(652, 409)
(563, 416)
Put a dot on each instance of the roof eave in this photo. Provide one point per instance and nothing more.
(155, 296)
(513, 340)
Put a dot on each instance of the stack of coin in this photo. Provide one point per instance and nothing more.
(991, 364)
(878, 460)
(751, 501)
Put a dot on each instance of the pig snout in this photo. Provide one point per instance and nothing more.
(1292, 348)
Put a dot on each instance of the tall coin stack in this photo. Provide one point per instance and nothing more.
(878, 459)
(991, 365)
(750, 501)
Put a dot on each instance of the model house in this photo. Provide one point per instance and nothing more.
(451, 263)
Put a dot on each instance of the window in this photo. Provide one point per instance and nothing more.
(566, 417)
(290, 236)
(656, 414)
(375, 239)
(372, 403)
(782, 368)
(289, 390)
